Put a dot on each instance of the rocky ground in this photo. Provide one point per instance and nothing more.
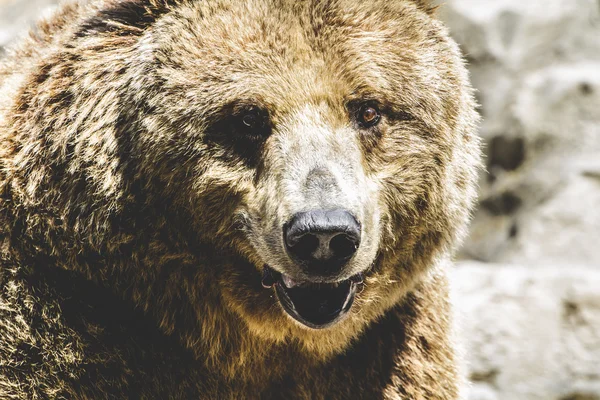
(527, 286)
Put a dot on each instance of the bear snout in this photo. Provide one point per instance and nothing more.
(322, 242)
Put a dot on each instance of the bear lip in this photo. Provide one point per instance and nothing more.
(315, 305)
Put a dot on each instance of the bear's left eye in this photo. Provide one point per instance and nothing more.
(368, 115)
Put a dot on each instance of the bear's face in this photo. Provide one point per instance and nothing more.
(327, 148)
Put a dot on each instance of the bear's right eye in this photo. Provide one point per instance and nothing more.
(250, 120)
(254, 122)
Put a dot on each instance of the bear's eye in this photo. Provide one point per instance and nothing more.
(368, 115)
(253, 121)
(250, 120)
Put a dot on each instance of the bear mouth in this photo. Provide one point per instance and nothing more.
(315, 305)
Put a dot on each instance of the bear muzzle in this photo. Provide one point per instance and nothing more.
(322, 242)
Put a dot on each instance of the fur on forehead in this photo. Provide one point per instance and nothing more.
(330, 52)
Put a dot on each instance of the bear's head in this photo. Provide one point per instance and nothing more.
(325, 151)
(328, 145)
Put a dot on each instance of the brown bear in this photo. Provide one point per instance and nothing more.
(229, 199)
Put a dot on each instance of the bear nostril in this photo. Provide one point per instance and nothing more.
(322, 241)
(305, 247)
(343, 246)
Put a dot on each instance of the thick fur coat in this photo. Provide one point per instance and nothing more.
(135, 220)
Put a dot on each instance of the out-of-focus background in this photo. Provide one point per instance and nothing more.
(527, 284)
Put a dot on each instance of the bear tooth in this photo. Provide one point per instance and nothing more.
(288, 282)
(267, 280)
(357, 278)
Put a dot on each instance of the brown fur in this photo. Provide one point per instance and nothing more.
(131, 241)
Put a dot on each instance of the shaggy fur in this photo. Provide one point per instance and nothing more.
(134, 223)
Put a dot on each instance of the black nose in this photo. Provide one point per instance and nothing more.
(322, 241)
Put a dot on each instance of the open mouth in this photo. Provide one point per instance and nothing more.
(316, 305)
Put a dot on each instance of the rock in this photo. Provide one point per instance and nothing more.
(17, 15)
(505, 40)
(530, 332)
(536, 66)
(559, 107)
(566, 228)
(482, 391)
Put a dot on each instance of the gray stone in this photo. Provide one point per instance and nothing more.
(536, 66)
(530, 332)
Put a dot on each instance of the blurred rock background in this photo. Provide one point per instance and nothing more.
(527, 284)
(528, 288)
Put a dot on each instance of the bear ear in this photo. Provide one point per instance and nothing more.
(429, 6)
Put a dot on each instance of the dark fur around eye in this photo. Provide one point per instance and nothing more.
(240, 131)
